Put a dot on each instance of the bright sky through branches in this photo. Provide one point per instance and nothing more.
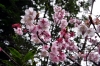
(96, 7)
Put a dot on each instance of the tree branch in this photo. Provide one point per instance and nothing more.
(92, 6)
(91, 22)
(41, 39)
(74, 61)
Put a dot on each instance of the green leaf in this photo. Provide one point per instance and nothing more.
(2, 6)
(8, 63)
(15, 53)
(29, 55)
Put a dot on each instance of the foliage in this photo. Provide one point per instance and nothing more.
(18, 59)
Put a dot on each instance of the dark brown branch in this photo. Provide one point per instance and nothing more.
(94, 63)
(74, 61)
(41, 39)
(84, 45)
(90, 52)
(92, 6)
(91, 22)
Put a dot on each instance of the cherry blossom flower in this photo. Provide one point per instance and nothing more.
(82, 28)
(30, 27)
(57, 8)
(35, 39)
(90, 32)
(44, 53)
(60, 15)
(36, 29)
(43, 23)
(91, 57)
(30, 12)
(72, 20)
(63, 23)
(27, 20)
(53, 57)
(87, 23)
(16, 25)
(63, 32)
(54, 48)
(72, 34)
(46, 36)
(99, 49)
(46, 47)
(56, 20)
(98, 28)
(97, 21)
(18, 31)
(62, 56)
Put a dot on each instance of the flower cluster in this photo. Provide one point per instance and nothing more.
(63, 45)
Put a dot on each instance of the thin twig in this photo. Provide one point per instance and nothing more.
(41, 39)
(73, 61)
(92, 6)
(91, 21)
(84, 45)
(10, 57)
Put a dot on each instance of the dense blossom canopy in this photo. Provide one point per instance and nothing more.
(64, 45)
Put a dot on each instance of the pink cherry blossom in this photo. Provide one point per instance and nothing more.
(46, 47)
(98, 28)
(16, 25)
(36, 28)
(72, 34)
(62, 56)
(46, 36)
(63, 32)
(44, 53)
(57, 8)
(54, 57)
(91, 57)
(92, 41)
(60, 15)
(63, 23)
(41, 31)
(90, 32)
(82, 28)
(18, 31)
(30, 12)
(64, 46)
(30, 27)
(72, 20)
(27, 20)
(44, 23)
(35, 39)
(54, 48)
(60, 40)
(56, 20)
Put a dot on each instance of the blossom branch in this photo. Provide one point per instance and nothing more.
(91, 21)
(41, 39)
(73, 61)
(91, 51)
(84, 44)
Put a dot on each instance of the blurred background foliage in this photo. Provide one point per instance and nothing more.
(10, 12)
